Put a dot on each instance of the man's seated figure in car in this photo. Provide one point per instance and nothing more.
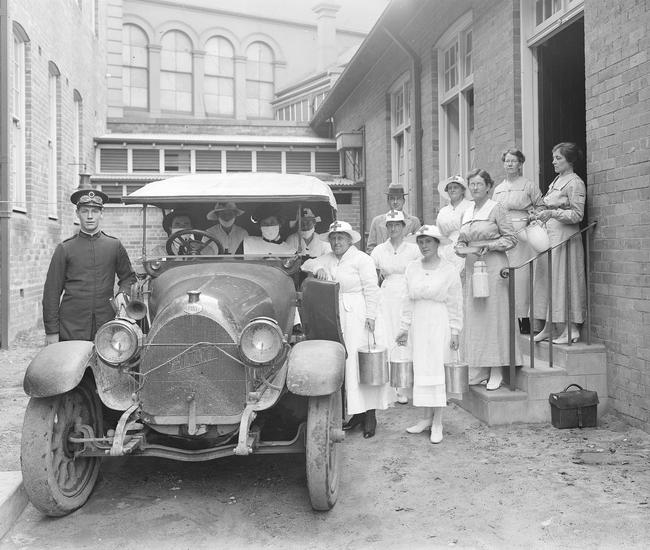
(186, 243)
(306, 240)
(230, 235)
(271, 241)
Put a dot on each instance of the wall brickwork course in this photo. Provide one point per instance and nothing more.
(80, 59)
(618, 164)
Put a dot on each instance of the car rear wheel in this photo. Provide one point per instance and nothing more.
(56, 482)
(323, 458)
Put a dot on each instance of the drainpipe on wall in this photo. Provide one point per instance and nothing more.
(417, 123)
(5, 211)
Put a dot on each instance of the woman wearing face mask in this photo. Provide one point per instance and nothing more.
(230, 236)
(271, 241)
(306, 240)
(391, 258)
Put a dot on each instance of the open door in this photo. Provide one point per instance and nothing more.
(562, 107)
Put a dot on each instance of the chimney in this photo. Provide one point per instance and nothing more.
(326, 34)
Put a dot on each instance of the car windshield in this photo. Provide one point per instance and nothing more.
(226, 214)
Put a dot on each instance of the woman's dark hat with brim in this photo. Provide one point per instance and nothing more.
(89, 197)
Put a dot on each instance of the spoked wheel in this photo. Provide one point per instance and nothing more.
(324, 432)
(56, 482)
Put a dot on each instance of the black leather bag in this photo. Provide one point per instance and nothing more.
(574, 409)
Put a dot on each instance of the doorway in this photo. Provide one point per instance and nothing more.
(561, 93)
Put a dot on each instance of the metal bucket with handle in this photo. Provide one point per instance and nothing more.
(401, 368)
(372, 364)
(457, 376)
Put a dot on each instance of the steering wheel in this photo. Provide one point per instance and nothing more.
(190, 247)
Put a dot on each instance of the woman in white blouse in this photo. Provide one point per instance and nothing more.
(519, 196)
(391, 258)
(358, 293)
(432, 319)
(449, 218)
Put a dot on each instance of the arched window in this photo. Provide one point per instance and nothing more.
(259, 81)
(176, 72)
(219, 95)
(18, 116)
(135, 67)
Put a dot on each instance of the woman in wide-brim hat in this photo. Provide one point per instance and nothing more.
(432, 318)
(355, 272)
(455, 191)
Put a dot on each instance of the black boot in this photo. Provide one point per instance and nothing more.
(370, 424)
(524, 325)
(356, 420)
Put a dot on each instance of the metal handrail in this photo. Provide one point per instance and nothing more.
(509, 273)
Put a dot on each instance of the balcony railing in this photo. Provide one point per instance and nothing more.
(510, 274)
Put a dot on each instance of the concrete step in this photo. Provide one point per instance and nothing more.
(579, 358)
(529, 401)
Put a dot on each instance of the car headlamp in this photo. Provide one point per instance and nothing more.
(261, 342)
(118, 341)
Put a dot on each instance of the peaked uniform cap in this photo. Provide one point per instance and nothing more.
(89, 197)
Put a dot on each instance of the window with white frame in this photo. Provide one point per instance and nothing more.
(219, 95)
(135, 67)
(260, 87)
(544, 17)
(77, 132)
(456, 99)
(400, 125)
(18, 108)
(52, 172)
(176, 72)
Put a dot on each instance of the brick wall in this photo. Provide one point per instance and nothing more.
(494, 83)
(81, 62)
(618, 126)
(497, 113)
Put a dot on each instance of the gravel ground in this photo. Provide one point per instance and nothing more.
(517, 486)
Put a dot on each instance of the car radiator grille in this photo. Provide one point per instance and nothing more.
(186, 364)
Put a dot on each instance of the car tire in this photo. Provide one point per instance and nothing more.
(322, 450)
(55, 482)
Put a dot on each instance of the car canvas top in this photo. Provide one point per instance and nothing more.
(255, 186)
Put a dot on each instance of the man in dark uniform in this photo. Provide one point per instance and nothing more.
(83, 270)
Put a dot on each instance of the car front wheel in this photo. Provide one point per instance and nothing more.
(324, 432)
(58, 482)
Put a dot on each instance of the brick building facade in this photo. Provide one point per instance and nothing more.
(56, 104)
(486, 75)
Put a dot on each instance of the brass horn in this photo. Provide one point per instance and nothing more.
(136, 308)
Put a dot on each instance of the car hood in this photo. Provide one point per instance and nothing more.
(236, 291)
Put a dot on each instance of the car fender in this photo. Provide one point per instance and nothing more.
(316, 367)
(58, 368)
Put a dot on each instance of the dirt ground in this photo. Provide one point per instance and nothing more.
(518, 486)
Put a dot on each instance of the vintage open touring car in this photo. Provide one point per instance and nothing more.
(204, 361)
